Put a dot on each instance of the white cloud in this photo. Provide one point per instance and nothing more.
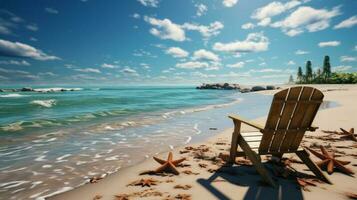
(4, 30)
(149, 3)
(51, 10)
(235, 75)
(329, 44)
(145, 66)
(109, 66)
(348, 23)
(177, 52)
(265, 70)
(301, 52)
(15, 62)
(255, 42)
(202, 75)
(201, 9)
(341, 68)
(291, 62)
(136, 16)
(18, 49)
(212, 29)
(306, 18)
(236, 65)
(165, 29)
(47, 74)
(203, 54)
(264, 22)
(130, 71)
(32, 27)
(348, 59)
(88, 70)
(192, 65)
(229, 3)
(248, 26)
(264, 14)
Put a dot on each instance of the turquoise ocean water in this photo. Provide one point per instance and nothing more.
(53, 142)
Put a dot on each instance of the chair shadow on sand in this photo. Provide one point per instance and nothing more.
(246, 176)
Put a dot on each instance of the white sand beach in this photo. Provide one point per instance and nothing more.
(199, 178)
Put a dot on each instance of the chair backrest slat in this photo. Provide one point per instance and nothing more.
(291, 113)
(273, 119)
(283, 125)
(296, 120)
(308, 118)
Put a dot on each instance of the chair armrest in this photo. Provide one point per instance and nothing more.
(250, 123)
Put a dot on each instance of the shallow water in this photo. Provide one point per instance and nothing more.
(55, 148)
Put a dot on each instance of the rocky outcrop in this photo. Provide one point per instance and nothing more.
(44, 90)
(27, 89)
(219, 86)
(258, 88)
(227, 86)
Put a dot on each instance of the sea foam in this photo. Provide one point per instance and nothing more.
(12, 95)
(45, 103)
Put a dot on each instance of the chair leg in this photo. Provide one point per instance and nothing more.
(234, 142)
(305, 157)
(256, 161)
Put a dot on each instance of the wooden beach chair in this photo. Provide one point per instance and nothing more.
(291, 114)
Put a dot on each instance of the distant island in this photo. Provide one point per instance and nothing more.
(323, 76)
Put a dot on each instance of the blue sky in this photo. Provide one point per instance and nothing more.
(150, 42)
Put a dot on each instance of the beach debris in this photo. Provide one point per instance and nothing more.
(213, 128)
(211, 170)
(328, 131)
(184, 151)
(288, 161)
(121, 197)
(329, 162)
(183, 187)
(220, 143)
(183, 197)
(144, 182)
(95, 179)
(349, 134)
(202, 165)
(168, 165)
(189, 148)
(351, 195)
(169, 181)
(304, 182)
(97, 197)
(189, 172)
(183, 165)
(149, 193)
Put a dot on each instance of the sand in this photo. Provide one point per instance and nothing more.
(240, 181)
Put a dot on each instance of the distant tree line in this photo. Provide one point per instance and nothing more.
(324, 75)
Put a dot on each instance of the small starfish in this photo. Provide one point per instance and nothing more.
(145, 182)
(329, 161)
(349, 134)
(183, 196)
(121, 197)
(168, 165)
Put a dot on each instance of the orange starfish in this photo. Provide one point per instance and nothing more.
(168, 165)
(144, 182)
(349, 134)
(329, 162)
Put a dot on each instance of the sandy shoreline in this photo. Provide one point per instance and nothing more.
(242, 182)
